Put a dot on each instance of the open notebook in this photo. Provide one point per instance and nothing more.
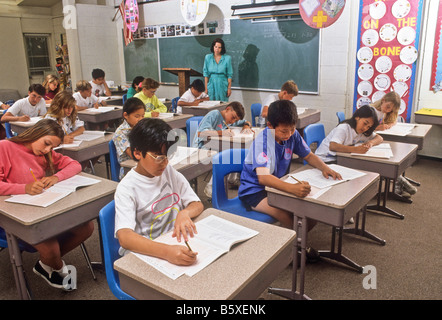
(399, 129)
(54, 193)
(102, 109)
(382, 150)
(208, 103)
(215, 237)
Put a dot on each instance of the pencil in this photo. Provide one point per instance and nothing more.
(296, 179)
(226, 125)
(33, 175)
(188, 245)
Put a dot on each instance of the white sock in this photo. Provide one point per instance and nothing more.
(63, 271)
(47, 268)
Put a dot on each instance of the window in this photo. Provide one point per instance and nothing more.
(37, 50)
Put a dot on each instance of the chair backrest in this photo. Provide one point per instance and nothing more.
(341, 116)
(255, 109)
(114, 164)
(8, 129)
(314, 132)
(23, 246)
(110, 246)
(225, 162)
(191, 128)
(174, 104)
(124, 97)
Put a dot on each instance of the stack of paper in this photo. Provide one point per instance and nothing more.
(31, 122)
(382, 150)
(209, 103)
(165, 115)
(181, 154)
(88, 135)
(399, 129)
(101, 109)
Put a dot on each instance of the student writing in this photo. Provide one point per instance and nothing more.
(134, 88)
(153, 198)
(84, 98)
(52, 87)
(193, 96)
(99, 84)
(147, 94)
(34, 149)
(387, 110)
(31, 106)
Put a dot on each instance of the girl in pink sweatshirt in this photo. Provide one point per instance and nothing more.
(32, 149)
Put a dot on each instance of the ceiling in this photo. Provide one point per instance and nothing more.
(31, 3)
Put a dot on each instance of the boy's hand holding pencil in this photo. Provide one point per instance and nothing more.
(301, 189)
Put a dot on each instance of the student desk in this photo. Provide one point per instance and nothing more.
(335, 207)
(428, 116)
(242, 273)
(220, 143)
(19, 127)
(36, 224)
(192, 167)
(178, 121)
(404, 155)
(88, 150)
(309, 116)
(416, 136)
(113, 100)
(202, 111)
(100, 118)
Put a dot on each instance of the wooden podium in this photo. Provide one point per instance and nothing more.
(183, 77)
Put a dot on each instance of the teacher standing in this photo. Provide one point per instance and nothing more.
(218, 72)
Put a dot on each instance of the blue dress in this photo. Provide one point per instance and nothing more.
(218, 73)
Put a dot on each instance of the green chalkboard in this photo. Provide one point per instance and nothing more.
(264, 54)
(141, 59)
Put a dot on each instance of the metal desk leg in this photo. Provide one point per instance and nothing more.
(383, 207)
(17, 267)
(301, 229)
(361, 231)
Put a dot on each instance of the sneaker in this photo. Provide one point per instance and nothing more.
(208, 190)
(399, 185)
(350, 221)
(408, 187)
(54, 279)
(405, 194)
(312, 255)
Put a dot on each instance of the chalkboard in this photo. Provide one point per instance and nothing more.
(141, 59)
(264, 54)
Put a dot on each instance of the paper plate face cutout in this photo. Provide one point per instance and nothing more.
(406, 36)
(383, 64)
(401, 8)
(370, 37)
(365, 54)
(365, 71)
(402, 107)
(402, 73)
(388, 32)
(408, 54)
(362, 101)
(365, 88)
(382, 82)
(378, 95)
(400, 88)
(377, 10)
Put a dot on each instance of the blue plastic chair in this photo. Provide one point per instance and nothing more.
(174, 104)
(9, 133)
(124, 97)
(110, 246)
(191, 128)
(341, 116)
(114, 164)
(255, 108)
(225, 162)
(314, 132)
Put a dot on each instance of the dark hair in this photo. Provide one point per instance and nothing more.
(364, 112)
(38, 88)
(151, 135)
(136, 81)
(97, 73)
(282, 112)
(238, 108)
(198, 85)
(223, 46)
(132, 105)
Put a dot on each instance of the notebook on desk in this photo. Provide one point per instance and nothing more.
(399, 129)
(382, 150)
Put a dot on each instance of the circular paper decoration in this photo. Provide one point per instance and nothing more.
(377, 10)
(365, 88)
(365, 54)
(320, 13)
(406, 36)
(383, 64)
(362, 101)
(400, 8)
(388, 32)
(378, 95)
(402, 73)
(400, 88)
(194, 11)
(408, 54)
(131, 15)
(402, 107)
(365, 71)
(382, 82)
(370, 37)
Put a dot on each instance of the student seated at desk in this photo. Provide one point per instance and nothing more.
(269, 159)
(133, 111)
(84, 98)
(99, 85)
(62, 110)
(153, 198)
(288, 91)
(134, 89)
(194, 95)
(31, 106)
(34, 148)
(147, 94)
(52, 87)
(4, 106)
(352, 135)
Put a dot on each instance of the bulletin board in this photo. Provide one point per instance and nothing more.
(387, 53)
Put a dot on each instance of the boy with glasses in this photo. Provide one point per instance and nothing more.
(153, 198)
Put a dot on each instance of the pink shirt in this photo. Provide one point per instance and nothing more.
(16, 160)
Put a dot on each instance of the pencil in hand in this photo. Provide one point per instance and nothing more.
(188, 246)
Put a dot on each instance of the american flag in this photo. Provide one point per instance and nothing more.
(128, 36)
